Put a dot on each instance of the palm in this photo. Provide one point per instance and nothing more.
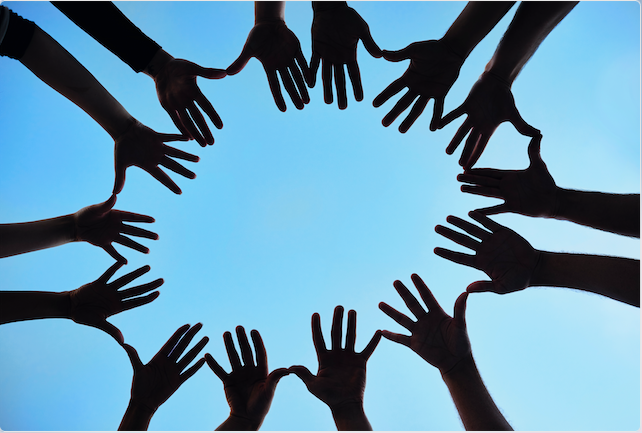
(433, 69)
(341, 377)
(155, 382)
(335, 35)
(273, 44)
(438, 340)
(247, 394)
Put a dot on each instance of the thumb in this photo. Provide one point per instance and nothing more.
(238, 64)
(210, 73)
(481, 286)
(119, 181)
(106, 206)
(369, 44)
(111, 330)
(522, 127)
(303, 373)
(459, 314)
(274, 377)
(397, 56)
(133, 356)
(534, 147)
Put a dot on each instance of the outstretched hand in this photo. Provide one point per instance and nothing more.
(93, 303)
(489, 103)
(507, 258)
(341, 377)
(101, 225)
(335, 34)
(530, 192)
(249, 388)
(145, 148)
(433, 69)
(439, 339)
(178, 94)
(278, 50)
(156, 381)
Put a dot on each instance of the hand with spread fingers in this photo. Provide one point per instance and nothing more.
(439, 339)
(489, 103)
(178, 94)
(336, 30)
(433, 69)
(340, 381)
(530, 192)
(507, 258)
(278, 50)
(93, 303)
(101, 225)
(443, 342)
(249, 388)
(146, 149)
(156, 381)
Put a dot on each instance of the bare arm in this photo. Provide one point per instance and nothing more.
(18, 306)
(26, 237)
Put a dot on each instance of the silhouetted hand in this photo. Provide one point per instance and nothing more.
(278, 50)
(341, 377)
(489, 103)
(530, 192)
(439, 339)
(156, 381)
(178, 94)
(507, 258)
(145, 148)
(335, 34)
(433, 69)
(101, 225)
(93, 303)
(249, 388)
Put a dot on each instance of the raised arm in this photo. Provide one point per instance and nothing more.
(135, 144)
(175, 78)
(513, 264)
(490, 101)
(98, 224)
(89, 305)
(153, 383)
(435, 64)
(533, 192)
(340, 381)
(442, 341)
(249, 388)
(278, 50)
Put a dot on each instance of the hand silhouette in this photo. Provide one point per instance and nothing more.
(178, 94)
(101, 225)
(145, 148)
(156, 381)
(335, 34)
(341, 377)
(278, 49)
(530, 192)
(507, 258)
(93, 303)
(489, 103)
(433, 69)
(249, 388)
(439, 339)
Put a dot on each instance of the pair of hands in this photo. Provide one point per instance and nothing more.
(335, 34)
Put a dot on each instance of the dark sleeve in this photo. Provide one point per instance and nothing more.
(107, 25)
(17, 36)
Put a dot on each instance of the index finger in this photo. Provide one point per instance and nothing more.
(110, 272)
(410, 301)
(317, 335)
(426, 294)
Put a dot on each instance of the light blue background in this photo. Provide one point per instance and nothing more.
(294, 213)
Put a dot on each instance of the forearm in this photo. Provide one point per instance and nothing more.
(136, 418)
(474, 404)
(533, 21)
(322, 6)
(615, 213)
(18, 306)
(22, 238)
(61, 71)
(615, 277)
(236, 423)
(350, 417)
(269, 11)
(473, 24)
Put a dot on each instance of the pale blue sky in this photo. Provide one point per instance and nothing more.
(294, 213)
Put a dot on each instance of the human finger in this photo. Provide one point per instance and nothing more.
(317, 335)
(395, 315)
(426, 294)
(208, 108)
(137, 302)
(454, 256)
(355, 79)
(478, 179)
(274, 377)
(403, 103)
(481, 286)
(173, 114)
(452, 115)
(110, 272)
(259, 349)
(205, 133)
(458, 238)
(128, 278)
(326, 77)
(109, 249)
(184, 341)
(275, 88)
(340, 86)
(209, 73)
(177, 153)
(398, 55)
(215, 367)
(244, 345)
(171, 137)
(163, 178)
(351, 331)
(286, 78)
(476, 152)
(469, 228)
(411, 302)
(133, 356)
(192, 370)
(415, 112)
(314, 67)
(336, 331)
(305, 70)
(119, 180)
(111, 330)
(177, 168)
(169, 345)
(459, 135)
(133, 217)
(459, 313)
(191, 354)
(485, 221)
(482, 190)
(188, 124)
(522, 127)
(304, 374)
(232, 354)
(137, 231)
(238, 64)
(372, 345)
(397, 338)
(139, 290)
(124, 240)
(300, 83)
(437, 111)
(493, 210)
(395, 87)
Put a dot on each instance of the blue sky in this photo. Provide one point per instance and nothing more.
(297, 212)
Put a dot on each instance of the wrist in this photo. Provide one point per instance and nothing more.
(498, 78)
(240, 423)
(539, 275)
(269, 12)
(137, 417)
(463, 370)
(504, 75)
(455, 47)
(157, 63)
